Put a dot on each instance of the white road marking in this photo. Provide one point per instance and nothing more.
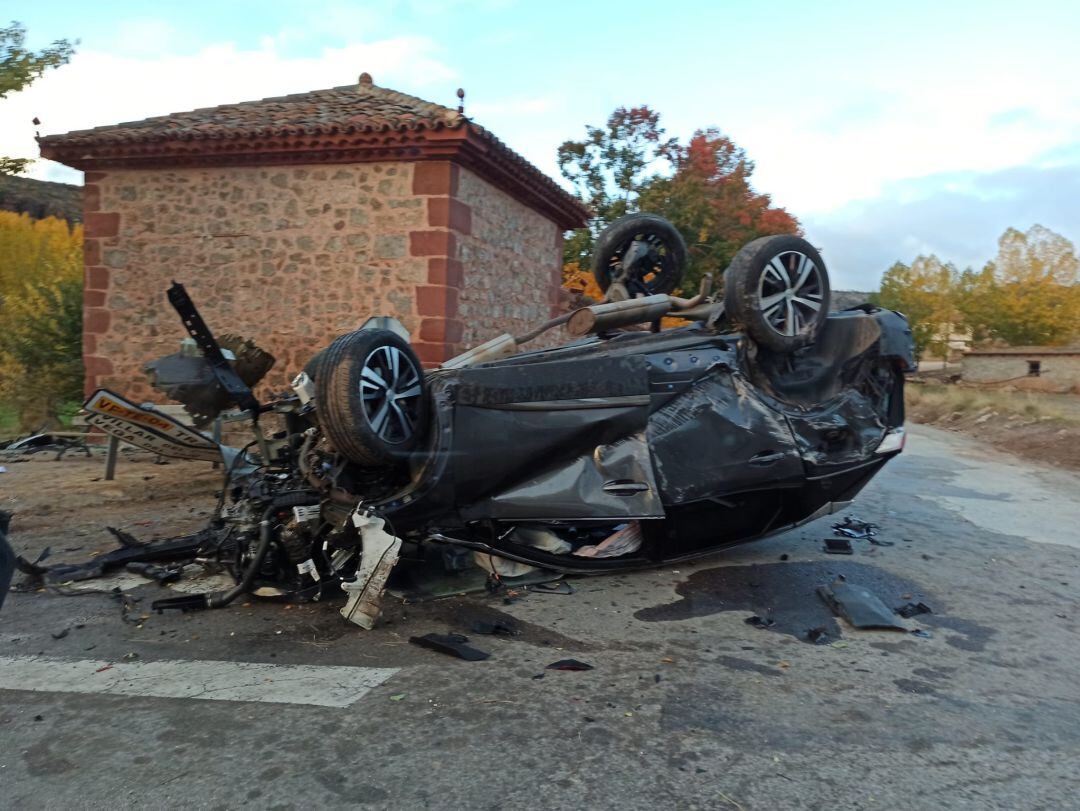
(322, 686)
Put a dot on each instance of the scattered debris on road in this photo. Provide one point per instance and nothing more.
(852, 527)
(494, 628)
(913, 610)
(451, 645)
(573, 665)
(859, 606)
(837, 546)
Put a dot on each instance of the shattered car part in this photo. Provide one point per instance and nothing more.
(852, 527)
(859, 606)
(837, 546)
(690, 439)
(190, 380)
(572, 665)
(183, 548)
(451, 645)
(380, 553)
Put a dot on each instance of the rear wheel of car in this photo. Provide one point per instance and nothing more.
(371, 397)
(661, 249)
(777, 290)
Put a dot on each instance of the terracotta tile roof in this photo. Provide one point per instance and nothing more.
(352, 108)
(354, 123)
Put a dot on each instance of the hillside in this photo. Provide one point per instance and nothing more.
(40, 199)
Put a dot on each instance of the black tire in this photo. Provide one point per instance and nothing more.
(362, 422)
(669, 252)
(770, 273)
(311, 368)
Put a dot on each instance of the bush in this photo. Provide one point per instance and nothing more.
(41, 288)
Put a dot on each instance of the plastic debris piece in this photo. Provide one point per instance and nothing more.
(569, 664)
(852, 527)
(922, 633)
(913, 610)
(163, 575)
(451, 645)
(760, 622)
(397, 697)
(838, 546)
(859, 606)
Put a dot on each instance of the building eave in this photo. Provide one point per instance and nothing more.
(467, 145)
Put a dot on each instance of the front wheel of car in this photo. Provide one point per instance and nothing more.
(371, 396)
(777, 290)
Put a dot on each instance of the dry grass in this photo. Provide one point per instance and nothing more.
(931, 402)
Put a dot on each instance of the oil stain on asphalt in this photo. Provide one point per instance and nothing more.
(785, 593)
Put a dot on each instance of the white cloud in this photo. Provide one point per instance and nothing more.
(100, 88)
(958, 216)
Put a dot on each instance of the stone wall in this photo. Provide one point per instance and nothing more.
(295, 256)
(1061, 370)
(513, 263)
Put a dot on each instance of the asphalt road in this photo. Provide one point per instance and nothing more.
(687, 705)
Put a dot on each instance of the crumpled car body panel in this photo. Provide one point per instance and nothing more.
(704, 440)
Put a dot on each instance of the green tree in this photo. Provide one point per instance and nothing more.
(41, 272)
(608, 169)
(19, 67)
(703, 187)
(1030, 293)
(924, 291)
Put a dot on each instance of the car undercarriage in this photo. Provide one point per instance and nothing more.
(623, 448)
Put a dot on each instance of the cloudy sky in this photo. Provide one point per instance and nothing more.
(889, 129)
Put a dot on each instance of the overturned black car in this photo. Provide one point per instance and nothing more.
(624, 448)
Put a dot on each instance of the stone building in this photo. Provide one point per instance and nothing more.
(1043, 368)
(292, 220)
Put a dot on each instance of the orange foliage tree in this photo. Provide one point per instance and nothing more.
(702, 186)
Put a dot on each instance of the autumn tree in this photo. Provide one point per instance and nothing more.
(924, 291)
(19, 67)
(1029, 294)
(608, 169)
(702, 186)
(710, 200)
(41, 290)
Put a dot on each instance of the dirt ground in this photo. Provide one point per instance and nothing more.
(1049, 440)
(1044, 428)
(67, 505)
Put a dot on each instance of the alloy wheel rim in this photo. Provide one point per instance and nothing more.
(790, 293)
(390, 393)
(660, 257)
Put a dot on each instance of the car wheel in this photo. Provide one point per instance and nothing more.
(371, 397)
(777, 290)
(660, 252)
